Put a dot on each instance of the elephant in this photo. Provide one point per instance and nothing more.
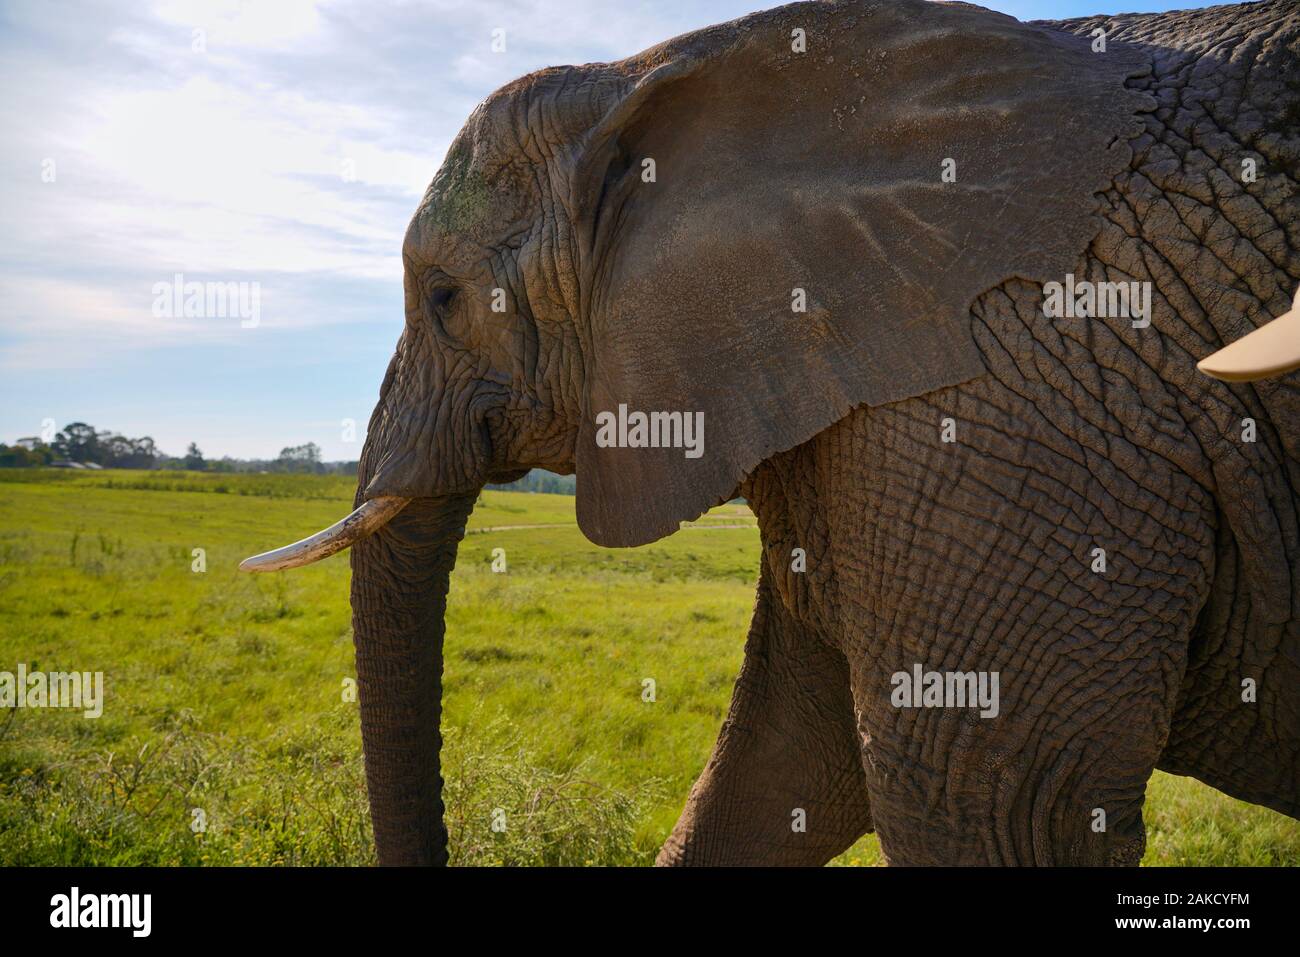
(988, 323)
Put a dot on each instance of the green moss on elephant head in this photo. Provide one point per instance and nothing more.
(460, 197)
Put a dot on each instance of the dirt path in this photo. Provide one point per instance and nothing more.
(513, 528)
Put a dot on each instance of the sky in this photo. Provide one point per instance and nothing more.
(281, 143)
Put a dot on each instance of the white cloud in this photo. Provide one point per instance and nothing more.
(245, 177)
(279, 24)
(227, 165)
(298, 140)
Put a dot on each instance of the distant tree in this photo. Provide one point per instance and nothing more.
(145, 453)
(540, 480)
(300, 458)
(116, 451)
(25, 453)
(78, 442)
(17, 457)
(124, 453)
(194, 458)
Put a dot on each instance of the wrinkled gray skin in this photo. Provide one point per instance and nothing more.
(975, 555)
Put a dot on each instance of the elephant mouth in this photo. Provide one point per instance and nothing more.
(365, 520)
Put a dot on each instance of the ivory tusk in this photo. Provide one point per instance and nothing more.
(366, 519)
(1271, 350)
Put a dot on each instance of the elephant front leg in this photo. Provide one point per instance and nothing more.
(785, 783)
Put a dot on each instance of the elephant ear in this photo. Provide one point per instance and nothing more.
(784, 179)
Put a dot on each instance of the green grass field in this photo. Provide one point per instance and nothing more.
(227, 738)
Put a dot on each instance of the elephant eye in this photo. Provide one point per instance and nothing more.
(442, 297)
(447, 313)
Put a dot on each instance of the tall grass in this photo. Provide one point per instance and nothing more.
(229, 735)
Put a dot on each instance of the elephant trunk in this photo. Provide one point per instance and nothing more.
(400, 576)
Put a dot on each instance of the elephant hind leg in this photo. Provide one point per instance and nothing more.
(785, 784)
(1057, 777)
(1017, 558)
(1237, 724)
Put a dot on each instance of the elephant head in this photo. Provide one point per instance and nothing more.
(759, 225)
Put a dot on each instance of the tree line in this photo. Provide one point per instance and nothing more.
(542, 481)
(79, 444)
